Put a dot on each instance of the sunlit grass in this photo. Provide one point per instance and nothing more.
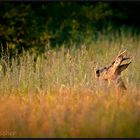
(72, 113)
(58, 96)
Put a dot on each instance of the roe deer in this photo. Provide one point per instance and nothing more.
(112, 73)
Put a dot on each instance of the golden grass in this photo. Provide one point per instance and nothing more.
(58, 95)
(71, 113)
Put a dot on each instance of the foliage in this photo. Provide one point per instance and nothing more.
(27, 25)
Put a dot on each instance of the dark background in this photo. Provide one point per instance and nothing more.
(34, 25)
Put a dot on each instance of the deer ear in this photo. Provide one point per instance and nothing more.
(123, 67)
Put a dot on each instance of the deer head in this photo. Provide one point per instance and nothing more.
(113, 71)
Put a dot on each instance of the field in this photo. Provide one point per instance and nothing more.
(59, 96)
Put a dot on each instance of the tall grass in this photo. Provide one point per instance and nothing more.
(58, 95)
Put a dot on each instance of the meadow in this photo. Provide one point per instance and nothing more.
(59, 96)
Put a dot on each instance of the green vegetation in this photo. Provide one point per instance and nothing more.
(27, 25)
(72, 67)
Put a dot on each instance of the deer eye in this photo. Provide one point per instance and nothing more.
(117, 62)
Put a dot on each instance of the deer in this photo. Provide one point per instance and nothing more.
(112, 72)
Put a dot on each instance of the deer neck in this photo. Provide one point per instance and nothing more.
(119, 83)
